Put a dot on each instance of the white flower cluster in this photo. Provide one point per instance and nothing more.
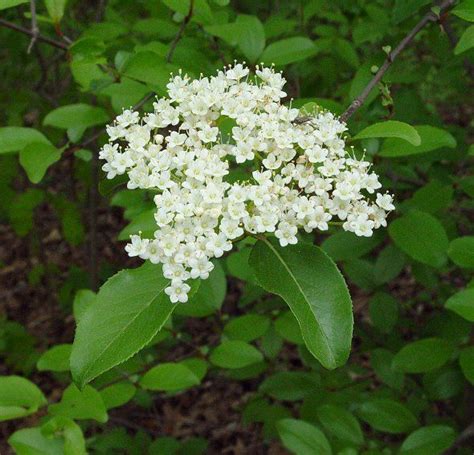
(299, 173)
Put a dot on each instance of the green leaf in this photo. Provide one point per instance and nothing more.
(55, 9)
(288, 328)
(76, 116)
(16, 138)
(344, 245)
(383, 311)
(431, 198)
(302, 438)
(346, 52)
(406, 8)
(291, 385)
(235, 354)
(289, 50)
(18, 397)
(208, 298)
(391, 128)
(80, 404)
(431, 440)
(130, 308)
(82, 300)
(247, 328)
(197, 366)
(466, 360)
(387, 416)
(32, 441)
(421, 236)
(389, 264)
(341, 423)
(422, 356)
(143, 222)
(466, 41)
(202, 13)
(381, 362)
(432, 138)
(310, 283)
(69, 431)
(462, 303)
(4, 4)
(55, 359)
(148, 67)
(226, 32)
(250, 36)
(117, 394)
(169, 377)
(461, 251)
(36, 158)
(465, 10)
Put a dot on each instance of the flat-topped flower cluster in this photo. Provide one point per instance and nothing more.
(299, 172)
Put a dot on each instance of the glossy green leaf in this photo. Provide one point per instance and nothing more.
(247, 327)
(197, 365)
(461, 251)
(289, 50)
(341, 423)
(55, 359)
(421, 236)
(310, 283)
(387, 415)
(391, 128)
(291, 385)
(36, 158)
(130, 308)
(202, 13)
(465, 10)
(431, 440)
(69, 431)
(406, 8)
(83, 299)
(250, 36)
(117, 395)
(169, 377)
(432, 138)
(466, 41)
(148, 67)
(4, 4)
(55, 9)
(462, 303)
(32, 441)
(18, 397)
(208, 298)
(302, 438)
(466, 360)
(344, 245)
(235, 354)
(80, 404)
(422, 356)
(288, 328)
(431, 198)
(381, 362)
(383, 311)
(76, 116)
(16, 138)
(389, 264)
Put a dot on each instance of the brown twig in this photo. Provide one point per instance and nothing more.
(39, 37)
(34, 26)
(179, 35)
(426, 19)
